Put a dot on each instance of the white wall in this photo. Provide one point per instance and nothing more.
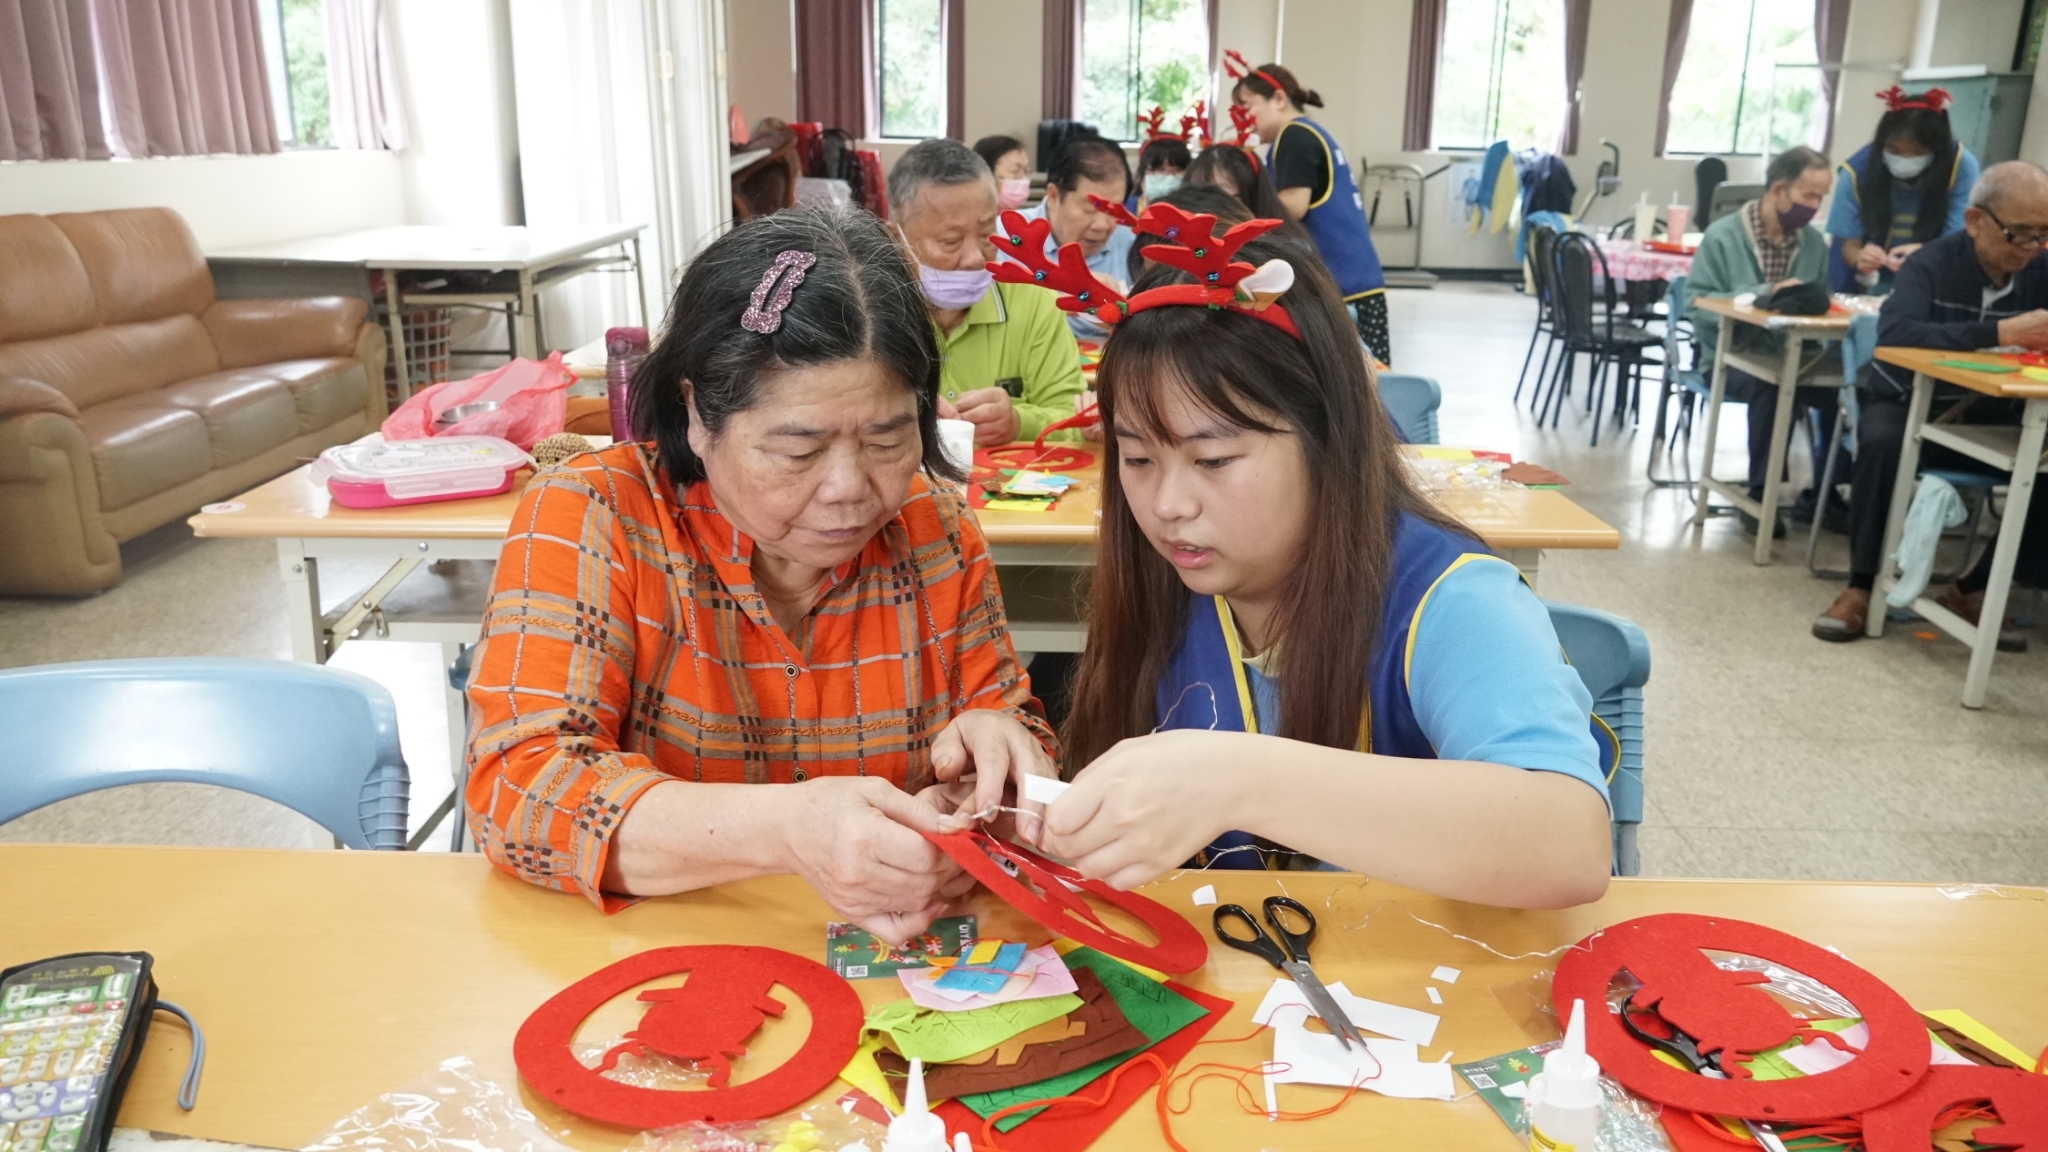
(228, 201)
(760, 36)
(455, 78)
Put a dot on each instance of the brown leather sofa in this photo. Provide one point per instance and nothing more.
(129, 396)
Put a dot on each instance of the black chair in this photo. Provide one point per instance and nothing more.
(1710, 173)
(1542, 239)
(1589, 322)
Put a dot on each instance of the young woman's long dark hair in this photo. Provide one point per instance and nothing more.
(1253, 376)
(1874, 189)
(859, 301)
(1243, 173)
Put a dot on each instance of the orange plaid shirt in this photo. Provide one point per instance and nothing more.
(625, 644)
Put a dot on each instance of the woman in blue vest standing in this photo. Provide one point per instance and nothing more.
(1317, 188)
(1907, 186)
(1293, 657)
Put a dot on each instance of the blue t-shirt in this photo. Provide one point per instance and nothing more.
(1112, 261)
(1487, 679)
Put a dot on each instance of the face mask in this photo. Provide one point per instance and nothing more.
(953, 289)
(1013, 193)
(1906, 167)
(1159, 184)
(1794, 218)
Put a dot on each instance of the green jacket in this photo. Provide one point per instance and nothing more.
(1015, 337)
(1726, 265)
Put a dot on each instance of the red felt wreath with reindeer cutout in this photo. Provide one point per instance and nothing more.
(2020, 1098)
(708, 1020)
(1055, 905)
(1726, 1014)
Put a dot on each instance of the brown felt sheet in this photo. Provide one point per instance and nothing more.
(1095, 1031)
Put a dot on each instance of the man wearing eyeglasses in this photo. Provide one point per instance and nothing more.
(1983, 287)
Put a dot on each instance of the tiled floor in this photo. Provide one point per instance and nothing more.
(1768, 753)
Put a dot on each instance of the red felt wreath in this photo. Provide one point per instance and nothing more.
(2020, 1099)
(1180, 948)
(708, 1020)
(1726, 1014)
(1037, 457)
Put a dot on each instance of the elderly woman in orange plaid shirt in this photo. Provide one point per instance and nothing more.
(767, 640)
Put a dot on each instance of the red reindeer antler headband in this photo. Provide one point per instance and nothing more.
(1199, 122)
(1193, 247)
(1235, 67)
(1896, 100)
(1153, 122)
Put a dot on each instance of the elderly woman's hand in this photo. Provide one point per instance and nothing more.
(857, 840)
(997, 750)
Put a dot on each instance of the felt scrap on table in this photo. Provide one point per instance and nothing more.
(2035, 373)
(1411, 1024)
(1066, 947)
(863, 1073)
(1533, 475)
(1094, 1032)
(1435, 997)
(1046, 976)
(936, 1037)
(1205, 895)
(1069, 1125)
(1976, 366)
(1029, 483)
(1043, 789)
(1157, 1010)
(1970, 1029)
(1445, 974)
(1388, 1067)
(1437, 452)
(1010, 505)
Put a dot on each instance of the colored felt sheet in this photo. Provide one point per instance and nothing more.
(1094, 1032)
(1157, 1010)
(1048, 978)
(1071, 1125)
(937, 1037)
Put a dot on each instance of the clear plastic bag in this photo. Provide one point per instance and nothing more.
(832, 1127)
(450, 1109)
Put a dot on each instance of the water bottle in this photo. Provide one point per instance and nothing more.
(623, 350)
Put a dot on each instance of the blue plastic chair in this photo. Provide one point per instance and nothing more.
(1859, 348)
(1687, 385)
(1612, 658)
(1412, 401)
(319, 741)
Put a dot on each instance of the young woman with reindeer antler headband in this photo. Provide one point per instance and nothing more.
(1317, 188)
(1287, 643)
(1907, 186)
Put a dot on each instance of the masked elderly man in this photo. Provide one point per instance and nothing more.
(1010, 363)
(1983, 287)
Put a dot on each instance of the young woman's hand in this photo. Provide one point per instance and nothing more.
(1147, 805)
(858, 841)
(1870, 258)
(998, 750)
(1897, 256)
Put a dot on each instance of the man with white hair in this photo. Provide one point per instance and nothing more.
(1010, 365)
(1983, 287)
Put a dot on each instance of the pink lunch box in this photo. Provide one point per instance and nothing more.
(386, 475)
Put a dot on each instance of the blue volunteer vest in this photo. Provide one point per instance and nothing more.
(1337, 222)
(1205, 685)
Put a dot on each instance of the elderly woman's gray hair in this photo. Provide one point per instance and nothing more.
(937, 161)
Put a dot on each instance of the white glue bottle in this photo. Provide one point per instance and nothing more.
(1564, 1098)
(916, 1129)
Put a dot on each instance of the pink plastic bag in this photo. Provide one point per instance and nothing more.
(531, 396)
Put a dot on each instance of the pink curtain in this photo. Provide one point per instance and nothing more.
(832, 63)
(49, 82)
(183, 77)
(1056, 60)
(1830, 36)
(364, 109)
(1577, 15)
(1425, 41)
(1675, 32)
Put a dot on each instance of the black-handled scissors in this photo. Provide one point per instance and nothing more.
(1286, 949)
(1687, 1050)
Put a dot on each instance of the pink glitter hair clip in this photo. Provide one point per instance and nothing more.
(790, 267)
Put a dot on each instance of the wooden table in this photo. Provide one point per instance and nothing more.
(1798, 331)
(525, 259)
(325, 979)
(2016, 451)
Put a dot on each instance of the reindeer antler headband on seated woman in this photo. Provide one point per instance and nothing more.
(1194, 248)
(1896, 99)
